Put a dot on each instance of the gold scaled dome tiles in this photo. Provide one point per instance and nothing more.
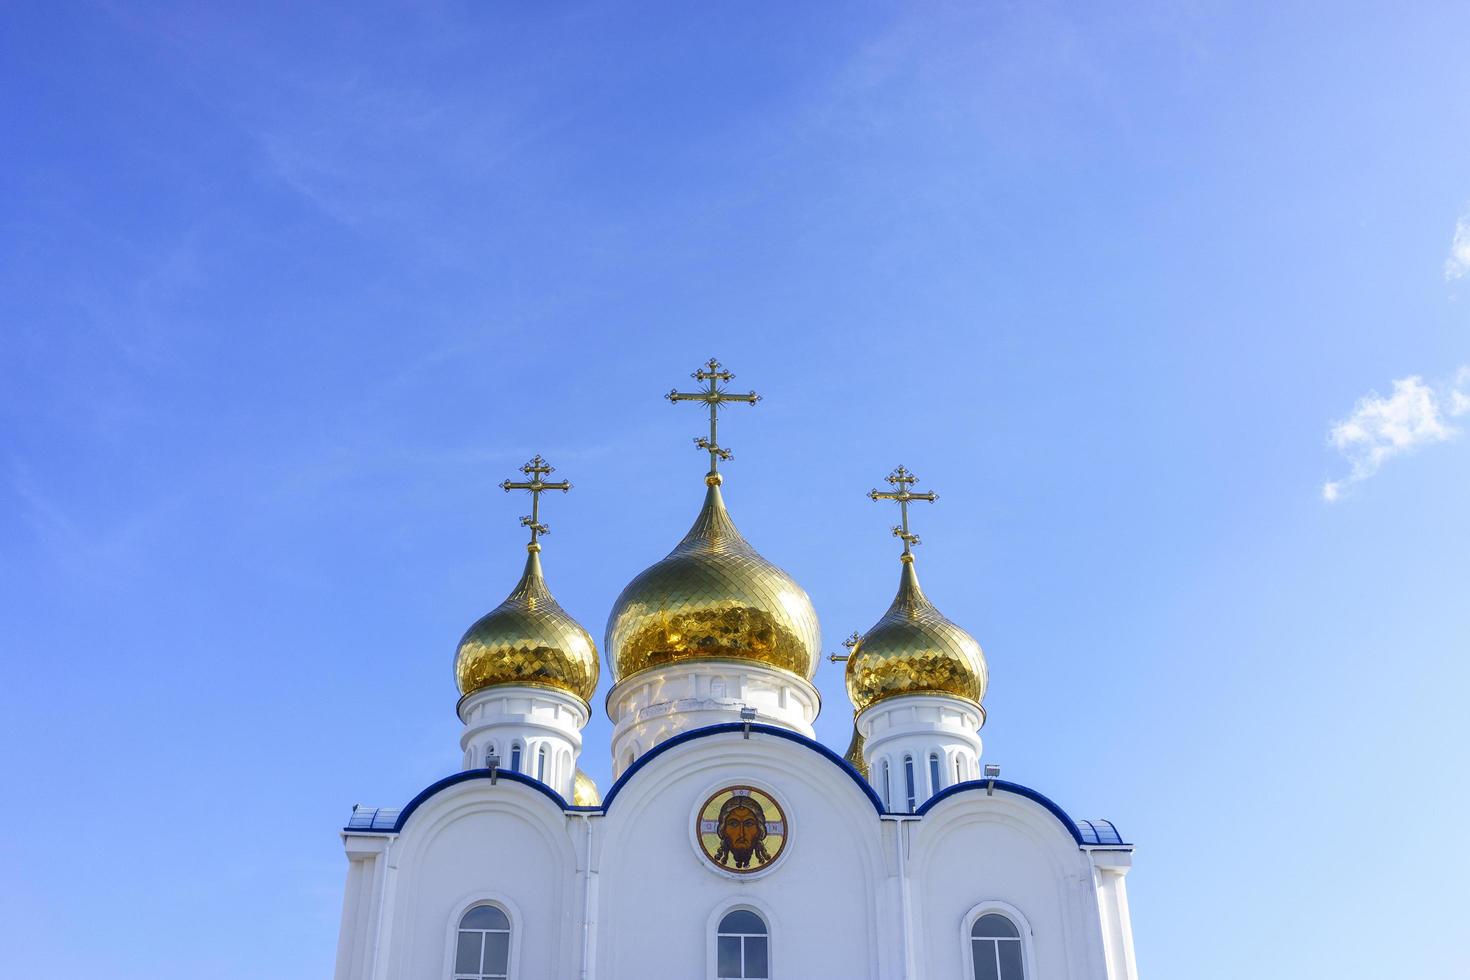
(584, 791)
(913, 649)
(528, 639)
(713, 597)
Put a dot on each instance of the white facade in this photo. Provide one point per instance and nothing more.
(622, 890)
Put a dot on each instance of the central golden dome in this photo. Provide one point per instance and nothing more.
(713, 597)
(913, 649)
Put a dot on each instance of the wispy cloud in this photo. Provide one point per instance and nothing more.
(1458, 263)
(1415, 414)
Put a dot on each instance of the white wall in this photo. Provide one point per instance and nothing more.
(836, 903)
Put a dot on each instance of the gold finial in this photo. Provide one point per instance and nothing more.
(902, 479)
(536, 469)
(850, 642)
(713, 396)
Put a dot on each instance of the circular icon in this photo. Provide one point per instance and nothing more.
(741, 829)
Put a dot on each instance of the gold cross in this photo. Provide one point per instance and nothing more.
(713, 396)
(850, 642)
(902, 479)
(536, 469)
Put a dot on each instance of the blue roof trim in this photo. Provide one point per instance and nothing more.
(509, 775)
(1085, 832)
(735, 726)
(1090, 834)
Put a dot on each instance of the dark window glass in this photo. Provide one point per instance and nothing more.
(467, 957)
(729, 956)
(994, 925)
(755, 957)
(743, 921)
(984, 956)
(1010, 959)
(908, 780)
(515, 758)
(484, 917)
(934, 786)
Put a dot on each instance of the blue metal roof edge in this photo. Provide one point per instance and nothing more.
(556, 798)
(735, 726)
(1030, 794)
(467, 775)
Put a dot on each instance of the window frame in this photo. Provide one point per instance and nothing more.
(1018, 919)
(910, 783)
(712, 931)
(462, 908)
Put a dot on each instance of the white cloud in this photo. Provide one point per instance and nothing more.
(1381, 428)
(1458, 264)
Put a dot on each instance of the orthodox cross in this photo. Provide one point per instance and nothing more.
(850, 642)
(714, 396)
(902, 479)
(536, 469)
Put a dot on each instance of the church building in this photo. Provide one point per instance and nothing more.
(730, 845)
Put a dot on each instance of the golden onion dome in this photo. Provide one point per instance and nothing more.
(528, 640)
(854, 753)
(584, 791)
(715, 598)
(913, 649)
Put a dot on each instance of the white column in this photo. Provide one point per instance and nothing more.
(358, 938)
(1117, 924)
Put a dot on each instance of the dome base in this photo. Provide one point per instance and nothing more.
(919, 727)
(534, 729)
(654, 705)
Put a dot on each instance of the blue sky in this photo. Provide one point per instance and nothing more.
(287, 290)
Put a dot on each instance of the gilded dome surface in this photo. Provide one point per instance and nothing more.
(713, 597)
(584, 791)
(854, 753)
(913, 649)
(528, 639)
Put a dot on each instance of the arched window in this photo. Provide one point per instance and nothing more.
(887, 787)
(934, 777)
(959, 769)
(742, 950)
(515, 757)
(483, 950)
(541, 763)
(995, 948)
(908, 781)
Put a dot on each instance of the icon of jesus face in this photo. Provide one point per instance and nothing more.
(741, 829)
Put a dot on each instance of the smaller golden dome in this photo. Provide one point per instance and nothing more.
(854, 753)
(913, 649)
(584, 791)
(528, 640)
